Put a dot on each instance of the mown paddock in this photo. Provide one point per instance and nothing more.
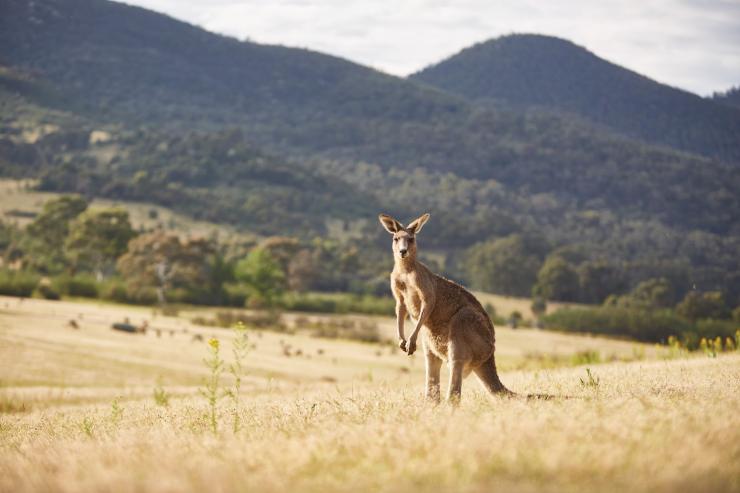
(79, 415)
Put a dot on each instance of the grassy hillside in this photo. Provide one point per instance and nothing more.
(77, 411)
(219, 177)
(20, 203)
(535, 70)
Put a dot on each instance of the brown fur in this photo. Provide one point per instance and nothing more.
(457, 328)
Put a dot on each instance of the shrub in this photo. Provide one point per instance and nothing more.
(703, 305)
(640, 324)
(114, 290)
(267, 319)
(46, 291)
(84, 286)
(644, 325)
(357, 330)
(117, 290)
(235, 295)
(338, 303)
(587, 357)
(18, 283)
(711, 329)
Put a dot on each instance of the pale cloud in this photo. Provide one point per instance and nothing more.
(691, 44)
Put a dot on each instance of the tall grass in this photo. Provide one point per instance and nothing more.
(240, 348)
(211, 389)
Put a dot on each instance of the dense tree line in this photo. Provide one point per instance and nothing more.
(95, 252)
(70, 249)
(221, 177)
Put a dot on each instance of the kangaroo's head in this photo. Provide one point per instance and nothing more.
(404, 239)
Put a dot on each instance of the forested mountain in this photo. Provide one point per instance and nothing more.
(536, 70)
(124, 61)
(217, 176)
(110, 100)
(730, 97)
(127, 64)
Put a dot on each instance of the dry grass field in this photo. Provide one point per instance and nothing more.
(78, 413)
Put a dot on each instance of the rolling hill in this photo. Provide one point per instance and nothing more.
(544, 71)
(114, 63)
(280, 140)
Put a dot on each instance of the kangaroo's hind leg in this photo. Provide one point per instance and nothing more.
(458, 359)
(433, 367)
(454, 391)
(470, 343)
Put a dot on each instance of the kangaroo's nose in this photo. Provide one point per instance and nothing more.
(402, 251)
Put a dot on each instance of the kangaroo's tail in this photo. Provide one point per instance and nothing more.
(488, 376)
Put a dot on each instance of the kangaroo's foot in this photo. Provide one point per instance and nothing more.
(433, 396)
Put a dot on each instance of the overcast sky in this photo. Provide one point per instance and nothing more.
(691, 44)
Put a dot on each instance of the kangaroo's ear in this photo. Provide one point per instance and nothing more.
(390, 224)
(415, 226)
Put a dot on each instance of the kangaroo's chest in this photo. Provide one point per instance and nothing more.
(411, 295)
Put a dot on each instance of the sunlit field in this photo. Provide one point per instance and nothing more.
(98, 410)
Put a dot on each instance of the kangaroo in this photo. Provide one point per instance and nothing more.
(458, 329)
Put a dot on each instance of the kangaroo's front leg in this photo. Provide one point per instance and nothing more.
(400, 319)
(423, 315)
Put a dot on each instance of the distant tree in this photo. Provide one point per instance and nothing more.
(506, 266)
(335, 264)
(539, 306)
(515, 318)
(8, 233)
(163, 262)
(301, 270)
(220, 273)
(598, 280)
(557, 280)
(490, 309)
(653, 293)
(698, 305)
(97, 238)
(43, 245)
(263, 276)
(52, 224)
(281, 248)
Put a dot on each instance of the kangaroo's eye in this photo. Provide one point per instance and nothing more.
(411, 240)
(395, 239)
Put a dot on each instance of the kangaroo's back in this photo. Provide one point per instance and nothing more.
(451, 297)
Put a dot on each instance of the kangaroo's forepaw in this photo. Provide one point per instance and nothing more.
(411, 347)
(402, 344)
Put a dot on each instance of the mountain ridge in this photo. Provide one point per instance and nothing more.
(537, 70)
